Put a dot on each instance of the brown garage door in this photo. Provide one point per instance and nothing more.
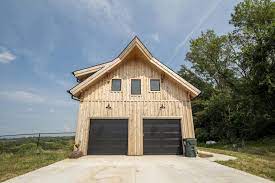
(162, 136)
(108, 136)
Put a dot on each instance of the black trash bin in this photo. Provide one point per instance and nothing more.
(190, 147)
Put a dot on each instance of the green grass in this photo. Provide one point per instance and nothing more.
(19, 156)
(257, 158)
(22, 155)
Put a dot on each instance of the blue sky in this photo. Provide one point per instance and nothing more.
(43, 41)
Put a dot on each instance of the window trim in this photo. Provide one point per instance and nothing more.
(131, 87)
(150, 85)
(120, 85)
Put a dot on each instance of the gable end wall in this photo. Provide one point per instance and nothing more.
(123, 105)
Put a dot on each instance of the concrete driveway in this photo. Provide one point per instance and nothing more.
(140, 169)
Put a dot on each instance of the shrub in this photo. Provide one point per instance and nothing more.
(76, 154)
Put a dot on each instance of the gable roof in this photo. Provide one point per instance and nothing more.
(135, 43)
(138, 45)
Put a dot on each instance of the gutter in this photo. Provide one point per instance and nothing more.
(72, 96)
(197, 96)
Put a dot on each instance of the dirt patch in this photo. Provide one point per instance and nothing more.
(204, 155)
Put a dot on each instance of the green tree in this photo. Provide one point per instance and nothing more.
(254, 35)
(236, 73)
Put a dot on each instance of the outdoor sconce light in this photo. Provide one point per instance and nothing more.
(108, 106)
(162, 106)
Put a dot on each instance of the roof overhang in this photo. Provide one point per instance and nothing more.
(90, 70)
(134, 49)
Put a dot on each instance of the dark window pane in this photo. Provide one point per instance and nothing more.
(116, 84)
(155, 85)
(135, 86)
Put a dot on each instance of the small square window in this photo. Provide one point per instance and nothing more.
(135, 86)
(154, 84)
(116, 84)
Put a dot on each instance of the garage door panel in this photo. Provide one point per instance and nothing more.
(162, 136)
(162, 140)
(155, 151)
(104, 144)
(108, 136)
(106, 139)
(104, 152)
(170, 140)
(161, 128)
(171, 135)
(165, 122)
(103, 147)
(150, 129)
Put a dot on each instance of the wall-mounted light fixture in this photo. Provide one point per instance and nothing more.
(162, 106)
(108, 106)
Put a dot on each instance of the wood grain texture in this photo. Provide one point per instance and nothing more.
(96, 97)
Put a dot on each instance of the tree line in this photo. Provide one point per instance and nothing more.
(236, 74)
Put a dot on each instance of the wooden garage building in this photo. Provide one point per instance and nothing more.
(132, 105)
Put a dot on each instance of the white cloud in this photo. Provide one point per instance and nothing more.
(6, 56)
(51, 110)
(112, 13)
(22, 96)
(155, 37)
(168, 14)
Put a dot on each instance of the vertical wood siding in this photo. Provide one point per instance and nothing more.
(124, 105)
